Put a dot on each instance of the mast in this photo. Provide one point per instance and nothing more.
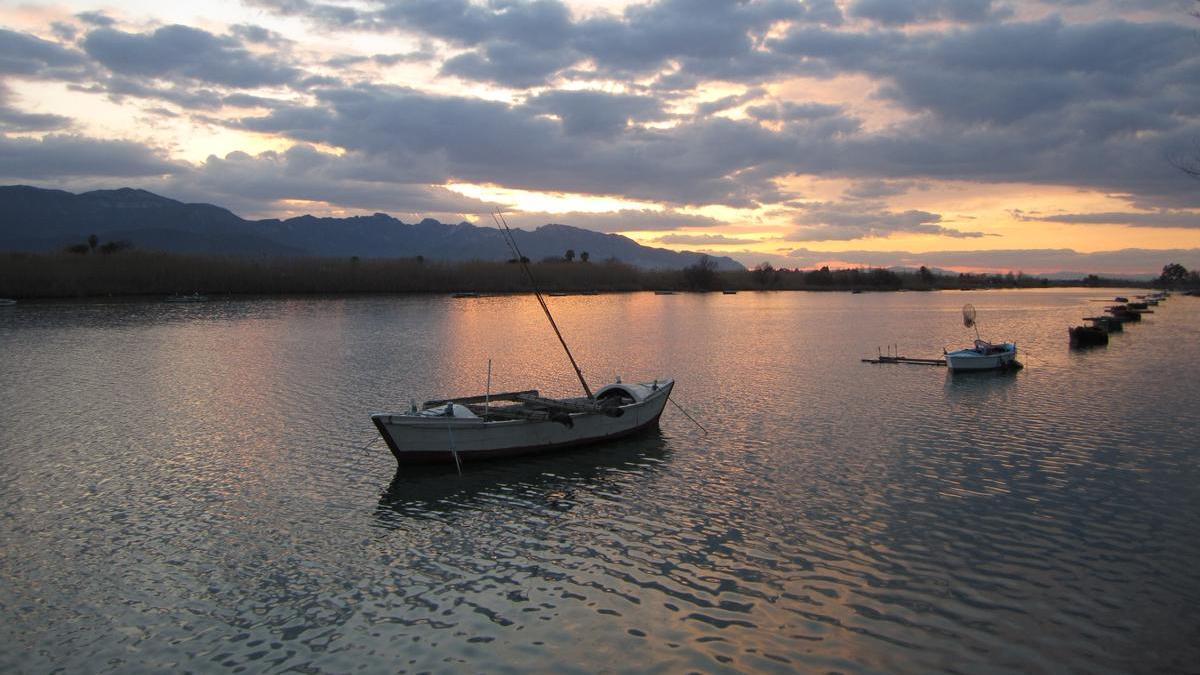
(506, 233)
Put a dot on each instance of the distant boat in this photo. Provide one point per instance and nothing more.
(729, 292)
(1088, 336)
(856, 291)
(982, 355)
(467, 294)
(1124, 314)
(1107, 323)
(7, 302)
(1120, 299)
(558, 294)
(194, 297)
(664, 292)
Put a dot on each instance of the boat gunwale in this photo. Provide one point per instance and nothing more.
(407, 419)
(661, 395)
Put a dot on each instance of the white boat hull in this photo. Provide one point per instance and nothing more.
(965, 360)
(417, 439)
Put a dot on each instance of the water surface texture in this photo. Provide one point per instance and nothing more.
(185, 487)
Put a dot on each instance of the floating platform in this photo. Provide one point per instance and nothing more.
(906, 359)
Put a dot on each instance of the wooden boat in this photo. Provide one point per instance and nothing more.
(194, 297)
(519, 423)
(982, 355)
(1088, 336)
(524, 422)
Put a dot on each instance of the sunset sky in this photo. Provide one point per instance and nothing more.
(962, 134)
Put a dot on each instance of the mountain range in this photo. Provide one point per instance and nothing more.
(37, 220)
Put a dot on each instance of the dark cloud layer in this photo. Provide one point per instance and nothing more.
(58, 156)
(625, 220)
(865, 220)
(1041, 261)
(481, 141)
(26, 55)
(184, 52)
(247, 182)
(1098, 104)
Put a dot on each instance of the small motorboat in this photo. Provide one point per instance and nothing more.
(1088, 336)
(982, 355)
(1120, 298)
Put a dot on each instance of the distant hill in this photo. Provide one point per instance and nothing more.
(36, 219)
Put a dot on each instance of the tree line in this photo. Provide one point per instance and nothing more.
(140, 272)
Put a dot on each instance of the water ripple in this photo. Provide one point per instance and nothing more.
(188, 489)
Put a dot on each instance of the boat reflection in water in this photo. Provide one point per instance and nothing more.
(548, 481)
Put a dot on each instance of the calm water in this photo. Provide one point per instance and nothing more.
(185, 487)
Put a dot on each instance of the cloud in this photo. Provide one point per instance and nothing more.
(1032, 261)
(524, 44)
(874, 189)
(1184, 219)
(508, 64)
(258, 183)
(728, 102)
(57, 156)
(12, 119)
(976, 96)
(26, 55)
(625, 220)
(181, 52)
(96, 19)
(858, 220)
(477, 141)
(787, 111)
(596, 113)
(892, 13)
(704, 240)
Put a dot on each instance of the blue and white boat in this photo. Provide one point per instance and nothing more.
(981, 355)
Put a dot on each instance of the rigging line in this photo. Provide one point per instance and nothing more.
(368, 444)
(512, 243)
(693, 419)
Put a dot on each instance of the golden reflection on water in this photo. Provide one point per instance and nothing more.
(837, 516)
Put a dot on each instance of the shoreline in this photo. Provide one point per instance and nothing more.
(150, 275)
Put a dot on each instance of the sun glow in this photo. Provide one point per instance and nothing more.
(549, 202)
